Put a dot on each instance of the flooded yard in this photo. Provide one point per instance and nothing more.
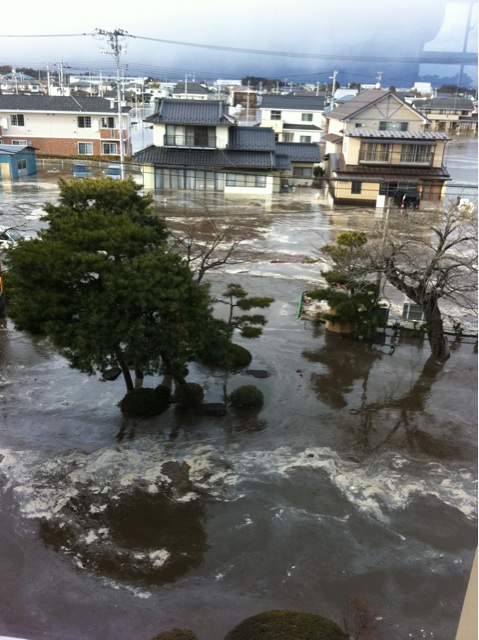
(357, 478)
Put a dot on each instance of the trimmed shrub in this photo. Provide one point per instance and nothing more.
(241, 357)
(144, 402)
(234, 357)
(247, 397)
(189, 395)
(175, 634)
(286, 625)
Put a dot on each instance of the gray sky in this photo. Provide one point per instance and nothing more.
(379, 30)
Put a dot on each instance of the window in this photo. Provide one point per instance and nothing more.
(392, 126)
(358, 125)
(374, 152)
(302, 172)
(19, 143)
(189, 136)
(307, 117)
(245, 180)
(109, 149)
(84, 122)
(107, 122)
(22, 164)
(85, 148)
(416, 154)
(17, 120)
(275, 115)
(356, 187)
(305, 138)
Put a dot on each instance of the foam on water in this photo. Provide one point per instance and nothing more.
(385, 484)
(93, 507)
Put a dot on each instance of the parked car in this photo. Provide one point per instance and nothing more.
(80, 170)
(407, 199)
(9, 237)
(113, 171)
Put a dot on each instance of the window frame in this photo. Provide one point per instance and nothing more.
(275, 114)
(356, 187)
(84, 122)
(88, 145)
(17, 120)
(307, 117)
(109, 144)
(303, 172)
(107, 119)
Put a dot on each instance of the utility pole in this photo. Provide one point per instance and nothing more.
(62, 83)
(333, 88)
(112, 38)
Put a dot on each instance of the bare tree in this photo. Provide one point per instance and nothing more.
(431, 260)
(205, 245)
(360, 619)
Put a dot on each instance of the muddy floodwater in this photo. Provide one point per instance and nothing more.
(358, 477)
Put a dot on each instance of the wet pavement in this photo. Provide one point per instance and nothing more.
(357, 478)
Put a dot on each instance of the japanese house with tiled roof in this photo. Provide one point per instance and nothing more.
(376, 144)
(294, 118)
(198, 146)
(64, 125)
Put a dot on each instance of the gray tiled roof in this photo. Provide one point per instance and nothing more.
(214, 158)
(461, 104)
(396, 135)
(57, 103)
(191, 87)
(301, 103)
(301, 127)
(381, 174)
(191, 112)
(299, 151)
(251, 139)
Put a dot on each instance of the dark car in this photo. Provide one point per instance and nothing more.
(80, 170)
(407, 199)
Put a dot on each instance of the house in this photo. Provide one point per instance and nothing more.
(64, 125)
(198, 146)
(16, 161)
(293, 118)
(192, 91)
(19, 83)
(448, 113)
(376, 144)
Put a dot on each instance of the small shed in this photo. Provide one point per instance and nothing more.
(17, 161)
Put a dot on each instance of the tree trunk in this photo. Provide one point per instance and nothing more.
(126, 371)
(138, 379)
(435, 329)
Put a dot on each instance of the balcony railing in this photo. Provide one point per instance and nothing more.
(190, 141)
(424, 159)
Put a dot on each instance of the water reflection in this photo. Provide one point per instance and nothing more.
(395, 418)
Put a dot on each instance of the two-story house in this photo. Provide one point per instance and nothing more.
(293, 118)
(448, 113)
(190, 90)
(198, 146)
(376, 144)
(64, 125)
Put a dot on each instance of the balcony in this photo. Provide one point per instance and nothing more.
(419, 157)
(190, 141)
